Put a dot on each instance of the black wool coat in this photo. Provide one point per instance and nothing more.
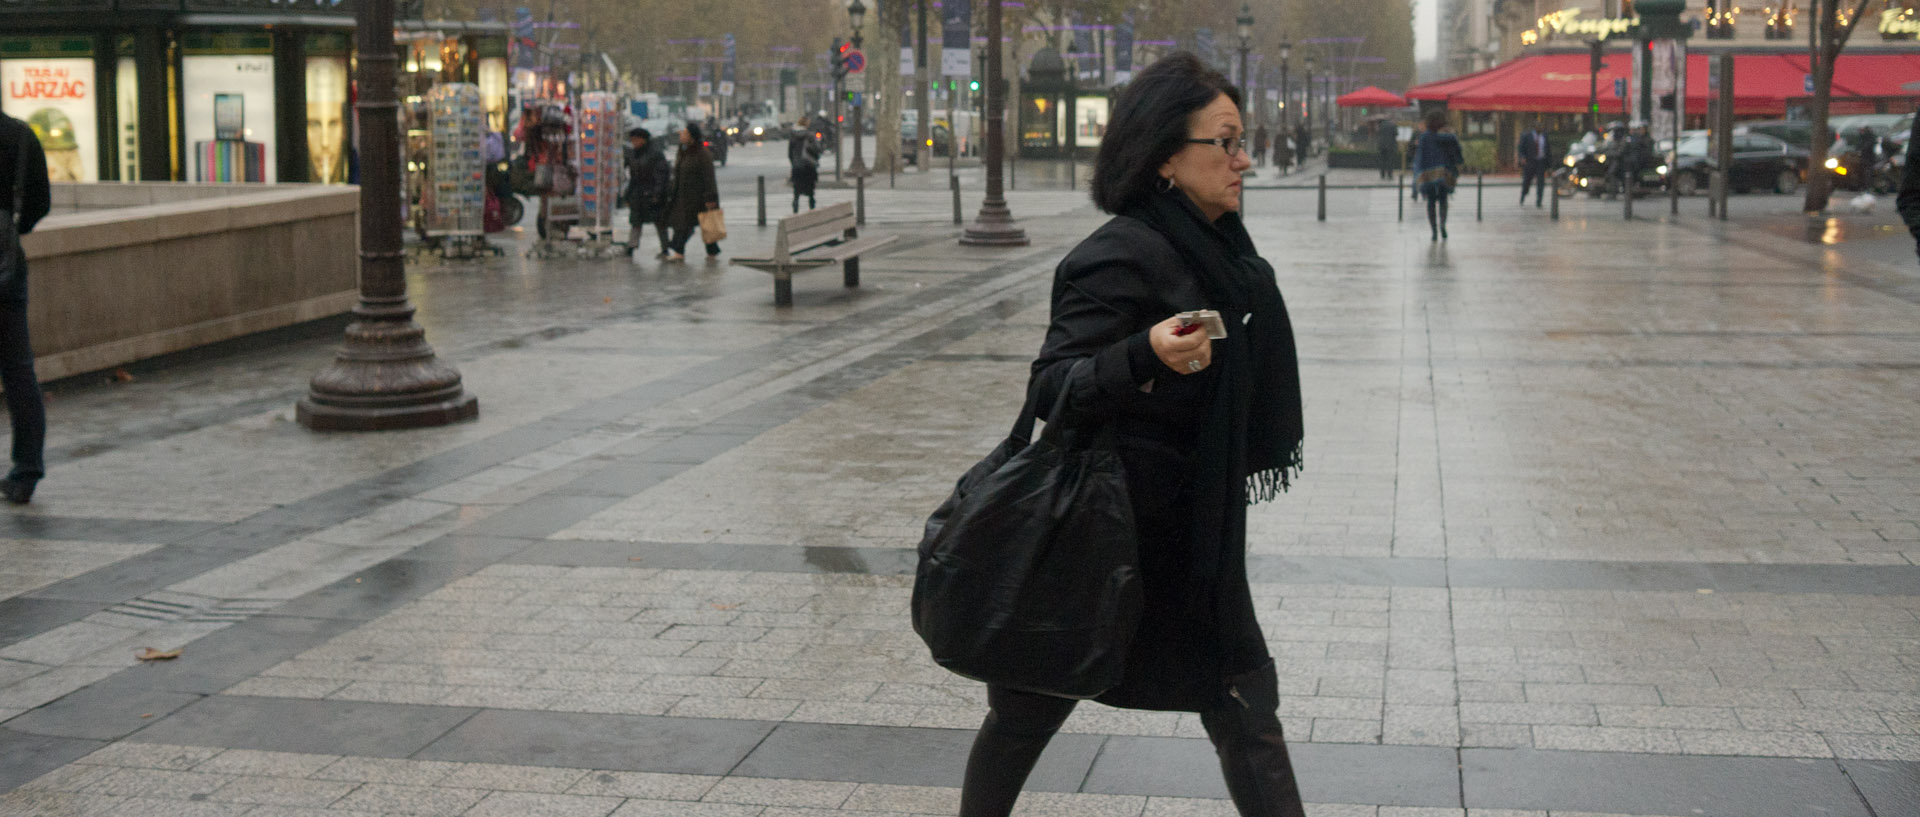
(1195, 632)
(693, 188)
(648, 178)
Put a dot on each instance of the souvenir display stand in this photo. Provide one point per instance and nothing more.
(455, 193)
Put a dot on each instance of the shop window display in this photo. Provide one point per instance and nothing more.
(228, 117)
(327, 120)
(56, 98)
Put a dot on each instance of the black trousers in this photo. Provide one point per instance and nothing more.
(1532, 172)
(25, 407)
(1244, 728)
(681, 237)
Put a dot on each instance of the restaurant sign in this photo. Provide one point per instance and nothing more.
(1567, 22)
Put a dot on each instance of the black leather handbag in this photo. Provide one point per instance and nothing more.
(1028, 574)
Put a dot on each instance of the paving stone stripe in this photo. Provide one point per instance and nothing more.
(200, 548)
(1118, 765)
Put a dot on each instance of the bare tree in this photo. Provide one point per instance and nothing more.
(1826, 37)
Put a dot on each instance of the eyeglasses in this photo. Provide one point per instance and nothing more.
(1231, 145)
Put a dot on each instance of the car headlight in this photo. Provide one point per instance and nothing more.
(758, 131)
(1572, 161)
(1662, 170)
(1583, 182)
(1833, 163)
(1603, 158)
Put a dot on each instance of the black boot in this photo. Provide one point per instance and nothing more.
(1245, 730)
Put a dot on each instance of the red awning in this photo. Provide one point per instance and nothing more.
(1370, 97)
(1558, 83)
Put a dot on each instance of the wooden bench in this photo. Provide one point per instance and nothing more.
(813, 239)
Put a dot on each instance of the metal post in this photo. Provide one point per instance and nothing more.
(1480, 197)
(1554, 212)
(953, 182)
(1400, 201)
(1626, 196)
(994, 225)
(385, 375)
(761, 184)
(1323, 197)
(860, 200)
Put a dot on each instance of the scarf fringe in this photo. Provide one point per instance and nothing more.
(1268, 484)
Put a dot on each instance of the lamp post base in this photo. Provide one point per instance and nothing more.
(385, 378)
(994, 227)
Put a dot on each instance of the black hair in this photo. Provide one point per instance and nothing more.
(694, 139)
(1149, 125)
(640, 132)
(1436, 120)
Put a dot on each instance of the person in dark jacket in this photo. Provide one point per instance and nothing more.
(1386, 143)
(1436, 165)
(648, 179)
(1534, 155)
(20, 151)
(694, 192)
(803, 160)
(1203, 427)
(1909, 201)
(1260, 145)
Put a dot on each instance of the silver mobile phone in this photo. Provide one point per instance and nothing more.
(1216, 328)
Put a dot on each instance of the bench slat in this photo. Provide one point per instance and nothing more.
(846, 249)
(816, 217)
(798, 240)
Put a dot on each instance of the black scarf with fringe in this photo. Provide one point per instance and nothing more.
(1255, 421)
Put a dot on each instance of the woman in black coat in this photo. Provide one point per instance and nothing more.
(694, 192)
(1204, 427)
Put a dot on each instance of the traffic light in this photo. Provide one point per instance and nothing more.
(973, 85)
(840, 50)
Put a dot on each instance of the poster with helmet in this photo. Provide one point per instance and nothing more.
(55, 97)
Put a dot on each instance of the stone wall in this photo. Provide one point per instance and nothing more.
(183, 266)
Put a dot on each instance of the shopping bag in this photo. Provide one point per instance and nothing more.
(1028, 573)
(713, 226)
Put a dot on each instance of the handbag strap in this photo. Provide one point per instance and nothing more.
(1029, 414)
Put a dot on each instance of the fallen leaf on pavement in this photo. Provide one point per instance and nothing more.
(151, 654)
(725, 606)
(123, 375)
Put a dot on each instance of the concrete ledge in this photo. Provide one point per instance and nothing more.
(172, 267)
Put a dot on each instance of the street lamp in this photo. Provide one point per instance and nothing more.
(1243, 26)
(857, 14)
(385, 376)
(1286, 57)
(1306, 111)
(994, 226)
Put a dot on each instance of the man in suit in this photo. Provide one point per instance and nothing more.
(1534, 155)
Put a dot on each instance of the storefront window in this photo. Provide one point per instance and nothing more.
(327, 120)
(56, 97)
(493, 91)
(1090, 121)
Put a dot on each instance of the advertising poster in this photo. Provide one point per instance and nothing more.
(127, 107)
(228, 117)
(327, 120)
(956, 38)
(55, 97)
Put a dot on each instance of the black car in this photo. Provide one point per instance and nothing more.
(1760, 162)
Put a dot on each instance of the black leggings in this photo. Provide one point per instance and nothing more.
(25, 407)
(1437, 222)
(681, 237)
(1245, 732)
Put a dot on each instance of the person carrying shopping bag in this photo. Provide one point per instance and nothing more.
(695, 193)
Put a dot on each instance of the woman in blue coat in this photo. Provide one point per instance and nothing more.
(1436, 166)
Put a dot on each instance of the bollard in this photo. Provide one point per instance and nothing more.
(762, 210)
(1073, 173)
(1553, 213)
(1480, 197)
(860, 200)
(1323, 197)
(1673, 194)
(1400, 202)
(954, 183)
(1626, 197)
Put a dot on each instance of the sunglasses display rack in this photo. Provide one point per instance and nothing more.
(600, 165)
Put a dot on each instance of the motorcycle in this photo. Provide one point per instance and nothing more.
(1850, 172)
(1581, 170)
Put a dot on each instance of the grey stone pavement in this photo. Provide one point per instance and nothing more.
(1598, 518)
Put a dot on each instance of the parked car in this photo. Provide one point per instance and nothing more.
(1759, 162)
(1793, 132)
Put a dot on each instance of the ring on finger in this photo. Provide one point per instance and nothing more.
(1194, 366)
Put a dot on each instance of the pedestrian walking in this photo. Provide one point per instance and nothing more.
(1282, 151)
(1386, 142)
(26, 196)
(649, 178)
(1260, 145)
(1436, 169)
(1908, 202)
(1203, 426)
(803, 162)
(549, 145)
(1302, 142)
(694, 192)
(1534, 155)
